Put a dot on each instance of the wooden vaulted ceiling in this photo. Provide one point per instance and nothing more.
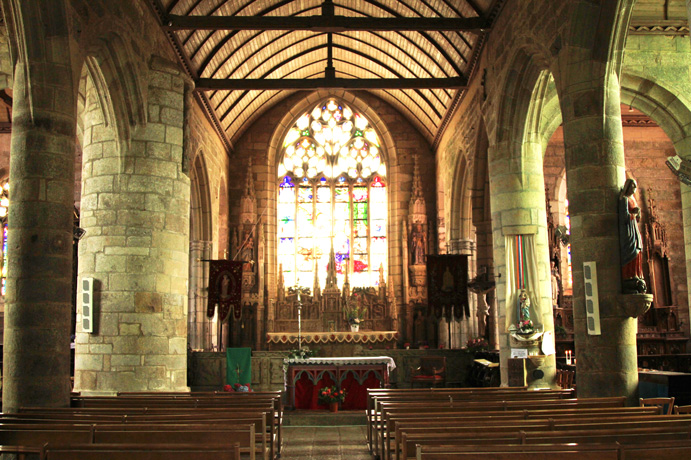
(246, 55)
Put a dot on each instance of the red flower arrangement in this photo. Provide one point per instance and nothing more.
(477, 344)
(328, 395)
(237, 388)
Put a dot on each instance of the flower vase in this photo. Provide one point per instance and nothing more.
(333, 407)
(354, 327)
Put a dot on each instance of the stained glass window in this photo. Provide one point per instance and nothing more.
(332, 193)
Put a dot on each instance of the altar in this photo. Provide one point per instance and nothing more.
(305, 377)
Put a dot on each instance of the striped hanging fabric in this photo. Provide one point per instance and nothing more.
(519, 261)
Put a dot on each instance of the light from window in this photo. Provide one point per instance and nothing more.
(332, 192)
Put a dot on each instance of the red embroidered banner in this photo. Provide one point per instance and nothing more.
(225, 287)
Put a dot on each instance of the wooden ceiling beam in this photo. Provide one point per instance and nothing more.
(217, 84)
(324, 23)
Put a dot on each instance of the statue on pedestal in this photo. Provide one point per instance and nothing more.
(630, 241)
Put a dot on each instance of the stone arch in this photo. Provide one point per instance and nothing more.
(109, 61)
(518, 92)
(670, 113)
(200, 201)
(202, 332)
(481, 208)
(460, 211)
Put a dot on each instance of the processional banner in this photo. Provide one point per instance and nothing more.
(225, 288)
(447, 285)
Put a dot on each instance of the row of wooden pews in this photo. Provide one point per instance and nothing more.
(178, 426)
(432, 424)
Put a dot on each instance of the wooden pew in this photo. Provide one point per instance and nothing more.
(139, 452)
(263, 446)
(172, 409)
(31, 436)
(276, 396)
(21, 452)
(170, 421)
(383, 394)
(652, 450)
(408, 436)
(224, 437)
(464, 441)
(520, 452)
(668, 450)
(195, 399)
(438, 398)
(381, 433)
(36, 438)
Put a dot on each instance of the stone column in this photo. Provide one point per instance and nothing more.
(595, 173)
(518, 208)
(36, 366)
(135, 209)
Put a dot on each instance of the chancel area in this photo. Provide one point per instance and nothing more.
(277, 208)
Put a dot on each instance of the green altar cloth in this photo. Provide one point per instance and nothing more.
(238, 359)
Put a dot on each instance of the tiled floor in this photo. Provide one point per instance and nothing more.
(325, 443)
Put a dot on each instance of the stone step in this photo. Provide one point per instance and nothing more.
(324, 418)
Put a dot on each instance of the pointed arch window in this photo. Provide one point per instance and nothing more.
(332, 193)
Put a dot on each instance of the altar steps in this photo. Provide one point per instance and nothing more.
(324, 418)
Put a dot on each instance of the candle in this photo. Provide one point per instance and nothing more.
(568, 356)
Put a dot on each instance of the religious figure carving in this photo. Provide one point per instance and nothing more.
(419, 244)
(525, 324)
(247, 254)
(630, 242)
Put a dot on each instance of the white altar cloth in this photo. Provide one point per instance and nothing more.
(390, 364)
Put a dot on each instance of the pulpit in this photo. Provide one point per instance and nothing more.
(305, 377)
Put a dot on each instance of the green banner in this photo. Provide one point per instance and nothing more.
(238, 366)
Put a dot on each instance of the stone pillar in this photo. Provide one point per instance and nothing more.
(36, 366)
(518, 208)
(135, 209)
(595, 173)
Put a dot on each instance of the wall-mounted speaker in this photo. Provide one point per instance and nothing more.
(592, 304)
(88, 305)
